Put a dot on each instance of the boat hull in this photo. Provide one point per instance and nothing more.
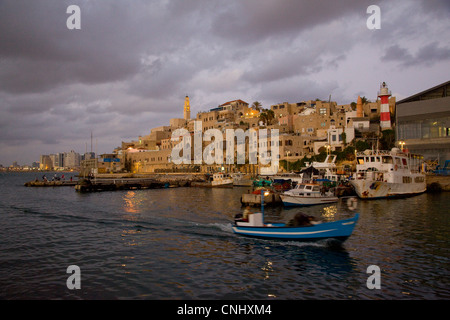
(299, 201)
(379, 189)
(339, 230)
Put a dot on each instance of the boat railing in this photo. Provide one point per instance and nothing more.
(373, 153)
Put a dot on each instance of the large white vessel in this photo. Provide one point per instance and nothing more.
(386, 174)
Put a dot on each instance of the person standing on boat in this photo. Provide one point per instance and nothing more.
(246, 213)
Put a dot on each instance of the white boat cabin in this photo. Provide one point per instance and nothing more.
(388, 166)
(307, 190)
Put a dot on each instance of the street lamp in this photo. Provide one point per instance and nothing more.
(263, 193)
(402, 144)
(288, 153)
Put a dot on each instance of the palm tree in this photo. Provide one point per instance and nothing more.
(257, 105)
(364, 100)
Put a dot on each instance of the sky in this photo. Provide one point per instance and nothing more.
(131, 64)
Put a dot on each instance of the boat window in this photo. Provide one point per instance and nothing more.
(372, 159)
(316, 188)
(360, 160)
(308, 187)
(407, 179)
(404, 161)
(418, 179)
(387, 160)
(308, 194)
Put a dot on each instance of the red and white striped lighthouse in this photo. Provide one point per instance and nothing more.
(385, 115)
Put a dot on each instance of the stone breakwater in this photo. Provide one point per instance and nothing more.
(109, 182)
(61, 183)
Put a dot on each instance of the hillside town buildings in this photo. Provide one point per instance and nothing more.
(305, 128)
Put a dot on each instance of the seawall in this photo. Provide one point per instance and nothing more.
(436, 183)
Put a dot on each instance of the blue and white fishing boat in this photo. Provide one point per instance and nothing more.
(339, 230)
(255, 227)
(302, 228)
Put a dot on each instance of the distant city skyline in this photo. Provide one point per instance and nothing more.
(130, 66)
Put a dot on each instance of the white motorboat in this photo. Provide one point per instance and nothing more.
(218, 180)
(221, 179)
(307, 194)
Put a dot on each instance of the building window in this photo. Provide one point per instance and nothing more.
(323, 111)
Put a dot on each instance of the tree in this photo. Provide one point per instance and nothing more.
(127, 163)
(263, 117)
(344, 138)
(257, 105)
(362, 145)
(270, 116)
(387, 141)
(364, 100)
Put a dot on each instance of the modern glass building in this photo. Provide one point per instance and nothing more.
(423, 123)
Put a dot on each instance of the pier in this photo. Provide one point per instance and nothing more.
(254, 200)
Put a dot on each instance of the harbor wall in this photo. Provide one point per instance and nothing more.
(437, 183)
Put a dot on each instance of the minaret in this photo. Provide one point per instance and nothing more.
(359, 108)
(187, 109)
(385, 115)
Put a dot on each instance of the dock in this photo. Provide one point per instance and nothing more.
(254, 200)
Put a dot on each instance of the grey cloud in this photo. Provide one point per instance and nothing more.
(427, 55)
(396, 53)
(252, 21)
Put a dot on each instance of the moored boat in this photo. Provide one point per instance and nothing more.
(217, 180)
(241, 180)
(307, 194)
(387, 174)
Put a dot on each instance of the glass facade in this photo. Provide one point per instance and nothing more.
(424, 129)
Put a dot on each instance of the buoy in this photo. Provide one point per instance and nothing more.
(352, 203)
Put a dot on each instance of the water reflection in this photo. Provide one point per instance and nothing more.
(132, 201)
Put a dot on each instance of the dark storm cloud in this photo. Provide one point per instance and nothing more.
(252, 21)
(41, 52)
